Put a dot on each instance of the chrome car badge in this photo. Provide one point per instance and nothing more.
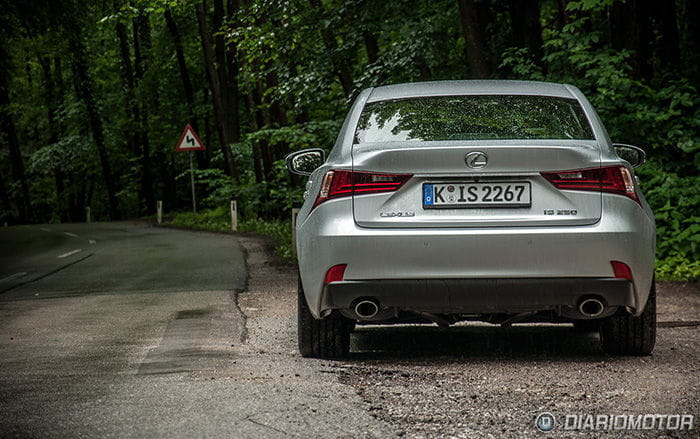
(476, 160)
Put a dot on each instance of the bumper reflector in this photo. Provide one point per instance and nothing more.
(622, 270)
(335, 273)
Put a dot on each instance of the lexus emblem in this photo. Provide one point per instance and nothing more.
(476, 160)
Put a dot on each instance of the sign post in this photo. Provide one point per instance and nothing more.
(189, 141)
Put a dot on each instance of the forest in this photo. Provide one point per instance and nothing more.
(95, 94)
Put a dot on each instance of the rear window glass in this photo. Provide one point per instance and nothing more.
(440, 118)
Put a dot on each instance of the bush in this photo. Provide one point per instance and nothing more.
(216, 220)
(677, 268)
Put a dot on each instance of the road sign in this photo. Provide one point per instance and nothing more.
(189, 141)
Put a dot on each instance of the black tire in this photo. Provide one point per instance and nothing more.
(629, 335)
(327, 338)
(586, 326)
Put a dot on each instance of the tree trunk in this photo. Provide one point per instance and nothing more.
(83, 89)
(340, 65)
(257, 165)
(526, 27)
(669, 53)
(215, 88)
(630, 29)
(232, 81)
(220, 57)
(473, 42)
(263, 120)
(5, 200)
(691, 48)
(7, 128)
(142, 52)
(51, 108)
(129, 82)
(186, 83)
(371, 46)
(424, 73)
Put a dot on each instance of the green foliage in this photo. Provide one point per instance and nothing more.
(675, 202)
(219, 220)
(662, 116)
(290, 98)
(214, 220)
(677, 268)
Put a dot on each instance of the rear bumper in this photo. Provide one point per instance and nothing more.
(382, 258)
(479, 296)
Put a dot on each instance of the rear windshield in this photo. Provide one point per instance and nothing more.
(439, 118)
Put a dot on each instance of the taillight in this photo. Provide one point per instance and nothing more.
(341, 183)
(611, 179)
(621, 270)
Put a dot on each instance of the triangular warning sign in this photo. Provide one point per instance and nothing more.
(189, 141)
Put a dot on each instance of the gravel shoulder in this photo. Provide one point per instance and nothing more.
(480, 380)
(486, 381)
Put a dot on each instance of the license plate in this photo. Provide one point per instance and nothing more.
(471, 195)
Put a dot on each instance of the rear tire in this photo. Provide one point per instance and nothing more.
(630, 335)
(586, 326)
(327, 338)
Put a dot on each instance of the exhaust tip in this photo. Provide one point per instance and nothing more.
(366, 309)
(591, 307)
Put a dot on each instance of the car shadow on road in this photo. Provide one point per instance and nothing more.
(483, 342)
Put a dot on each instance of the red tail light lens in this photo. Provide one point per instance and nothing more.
(341, 183)
(611, 179)
(335, 273)
(621, 270)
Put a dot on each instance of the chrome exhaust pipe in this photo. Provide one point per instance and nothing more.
(366, 309)
(591, 307)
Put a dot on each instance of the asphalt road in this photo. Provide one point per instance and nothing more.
(77, 259)
(168, 333)
(139, 334)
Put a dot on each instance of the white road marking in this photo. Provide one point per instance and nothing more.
(70, 234)
(92, 241)
(13, 276)
(65, 255)
(44, 229)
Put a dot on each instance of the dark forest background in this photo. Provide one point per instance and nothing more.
(94, 94)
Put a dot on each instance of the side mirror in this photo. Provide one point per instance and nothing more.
(304, 162)
(634, 155)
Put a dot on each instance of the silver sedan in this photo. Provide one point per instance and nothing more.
(498, 201)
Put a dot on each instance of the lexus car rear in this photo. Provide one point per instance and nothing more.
(499, 201)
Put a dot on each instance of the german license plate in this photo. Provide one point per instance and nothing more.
(471, 195)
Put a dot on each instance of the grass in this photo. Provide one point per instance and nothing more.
(219, 220)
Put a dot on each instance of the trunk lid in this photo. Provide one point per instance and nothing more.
(512, 168)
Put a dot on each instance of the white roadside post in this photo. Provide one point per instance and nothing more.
(87, 214)
(295, 214)
(234, 215)
(189, 141)
(159, 211)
